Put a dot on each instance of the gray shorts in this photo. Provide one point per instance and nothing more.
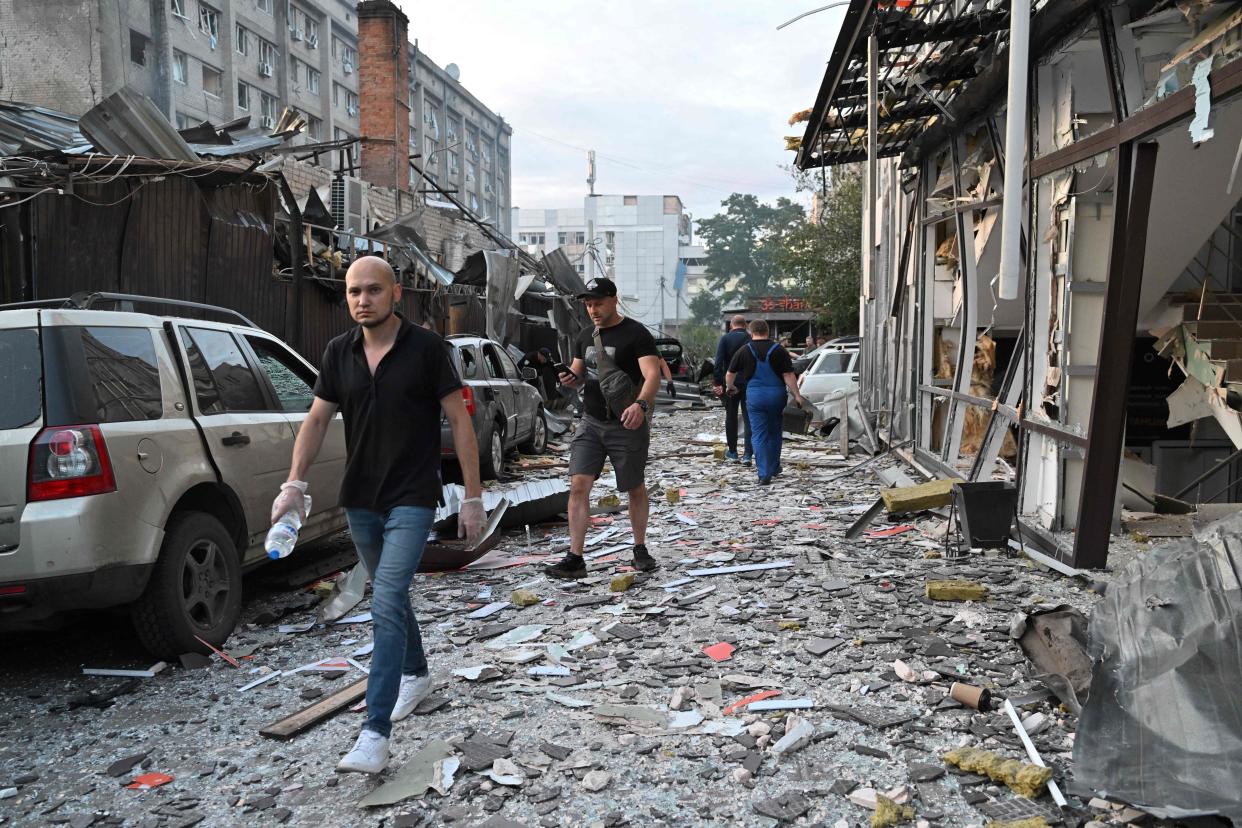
(626, 448)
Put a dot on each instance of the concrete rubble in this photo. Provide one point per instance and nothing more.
(770, 672)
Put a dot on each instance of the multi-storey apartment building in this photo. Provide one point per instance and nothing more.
(218, 60)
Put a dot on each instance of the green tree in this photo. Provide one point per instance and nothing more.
(825, 258)
(698, 342)
(705, 308)
(742, 241)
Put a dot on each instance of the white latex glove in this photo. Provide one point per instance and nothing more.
(292, 496)
(471, 520)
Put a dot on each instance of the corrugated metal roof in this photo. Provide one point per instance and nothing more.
(25, 129)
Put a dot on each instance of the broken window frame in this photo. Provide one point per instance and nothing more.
(180, 67)
(138, 43)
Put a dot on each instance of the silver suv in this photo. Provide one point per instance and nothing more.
(139, 456)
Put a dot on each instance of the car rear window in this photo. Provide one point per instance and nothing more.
(833, 364)
(100, 374)
(20, 374)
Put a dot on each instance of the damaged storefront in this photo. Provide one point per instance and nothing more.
(1085, 345)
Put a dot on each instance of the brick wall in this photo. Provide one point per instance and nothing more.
(383, 102)
(50, 53)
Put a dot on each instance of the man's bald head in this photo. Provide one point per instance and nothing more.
(371, 266)
(371, 291)
(738, 322)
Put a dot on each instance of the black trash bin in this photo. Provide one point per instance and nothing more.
(986, 511)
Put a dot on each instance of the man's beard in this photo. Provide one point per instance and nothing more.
(373, 322)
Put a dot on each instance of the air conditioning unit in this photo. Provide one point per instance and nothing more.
(313, 41)
(345, 202)
(295, 34)
(347, 67)
(265, 69)
(266, 122)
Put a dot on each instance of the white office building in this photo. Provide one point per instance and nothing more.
(640, 241)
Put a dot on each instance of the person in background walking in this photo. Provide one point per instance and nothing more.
(766, 369)
(620, 436)
(734, 403)
(390, 380)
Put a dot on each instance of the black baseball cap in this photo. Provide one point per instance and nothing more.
(600, 288)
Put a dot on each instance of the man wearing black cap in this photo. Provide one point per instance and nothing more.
(621, 436)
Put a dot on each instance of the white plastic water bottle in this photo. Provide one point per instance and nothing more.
(283, 535)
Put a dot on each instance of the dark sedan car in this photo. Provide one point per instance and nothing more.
(506, 409)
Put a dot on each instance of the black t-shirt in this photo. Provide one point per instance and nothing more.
(392, 420)
(625, 343)
(743, 363)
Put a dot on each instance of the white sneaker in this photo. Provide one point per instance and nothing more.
(413, 690)
(370, 754)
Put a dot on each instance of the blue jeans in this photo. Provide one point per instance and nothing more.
(391, 545)
(766, 407)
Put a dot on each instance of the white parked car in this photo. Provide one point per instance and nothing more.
(832, 376)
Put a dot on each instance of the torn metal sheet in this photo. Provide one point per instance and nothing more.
(1199, 129)
(502, 279)
(129, 123)
(1055, 641)
(1188, 403)
(530, 502)
(346, 594)
(1162, 729)
(425, 770)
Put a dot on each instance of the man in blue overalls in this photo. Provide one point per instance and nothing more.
(767, 371)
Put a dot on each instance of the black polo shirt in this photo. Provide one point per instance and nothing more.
(392, 420)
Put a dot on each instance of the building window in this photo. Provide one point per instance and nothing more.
(267, 57)
(213, 81)
(452, 127)
(312, 32)
(336, 94)
(580, 238)
(431, 118)
(138, 47)
(293, 70)
(630, 201)
(472, 146)
(180, 67)
(178, 9)
(184, 121)
(474, 203)
(562, 238)
(454, 165)
(267, 107)
(312, 80)
(471, 177)
(241, 40)
(314, 127)
(264, 5)
(243, 95)
(489, 208)
(351, 103)
(209, 22)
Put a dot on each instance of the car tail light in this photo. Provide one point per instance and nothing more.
(13, 589)
(69, 461)
(467, 394)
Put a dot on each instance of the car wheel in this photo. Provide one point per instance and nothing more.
(538, 441)
(492, 453)
(195, 588)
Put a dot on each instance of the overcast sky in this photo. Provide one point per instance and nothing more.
(685, 97)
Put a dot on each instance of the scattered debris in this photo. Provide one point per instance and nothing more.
(956, 591)
(1027, 780)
